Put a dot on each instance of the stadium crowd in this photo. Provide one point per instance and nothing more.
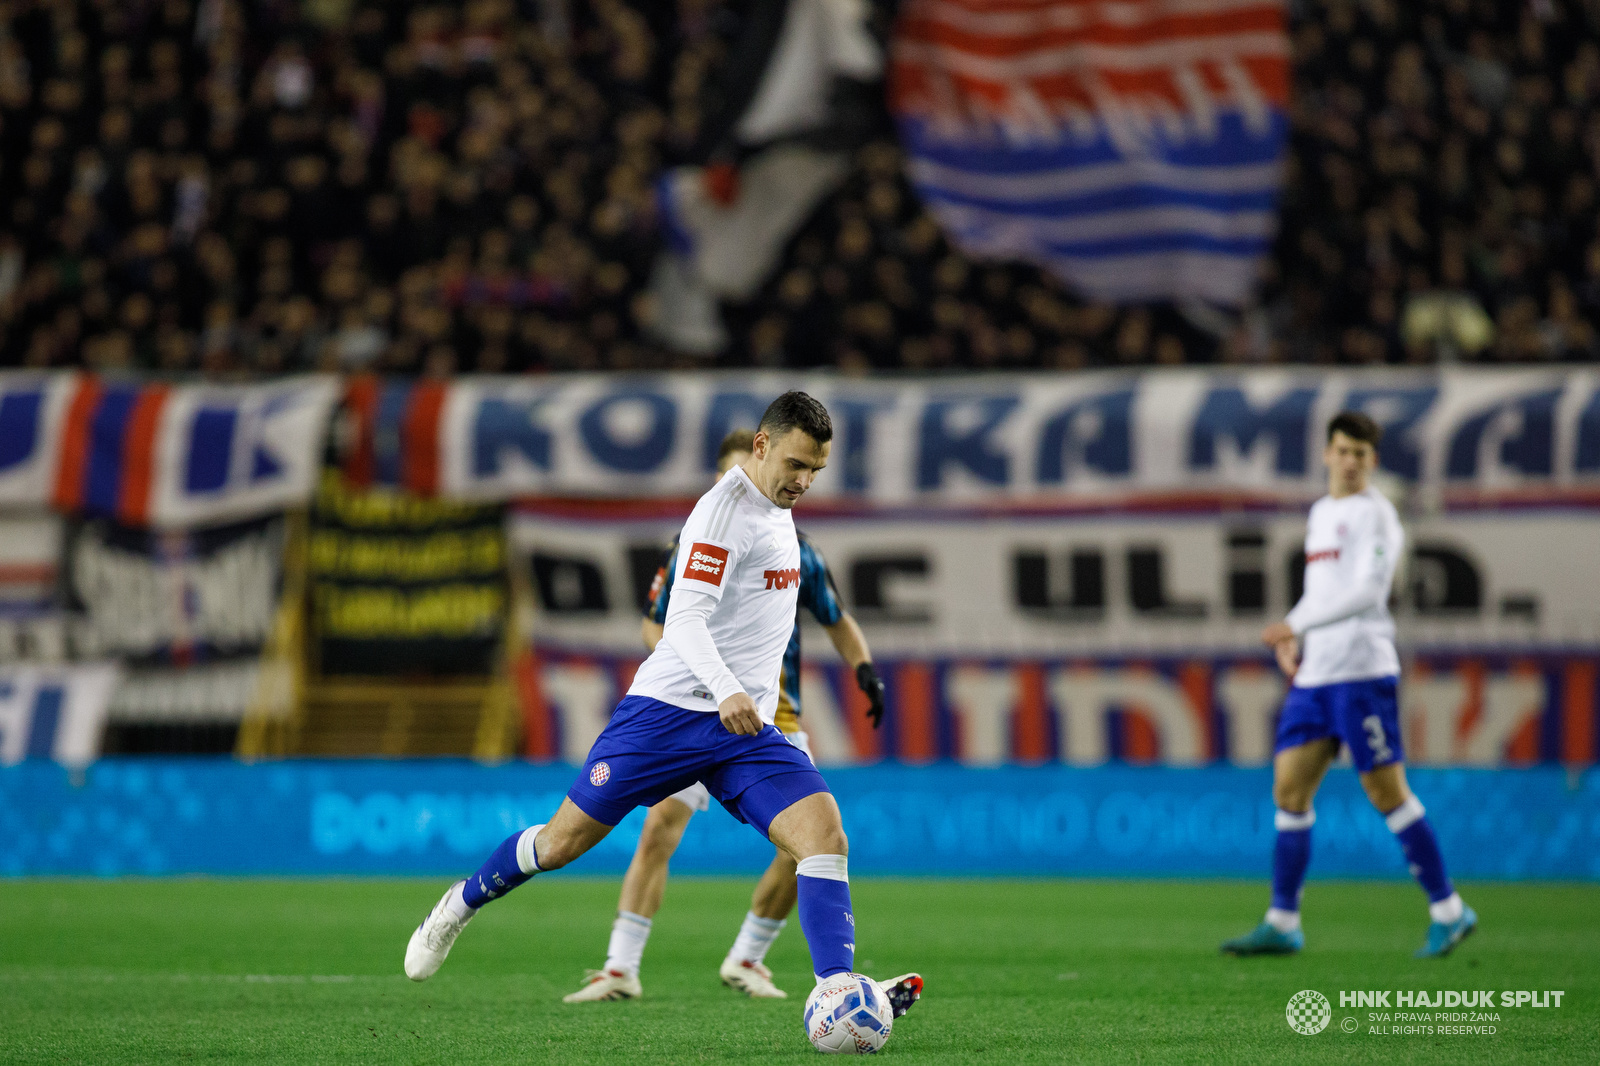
(243, 188)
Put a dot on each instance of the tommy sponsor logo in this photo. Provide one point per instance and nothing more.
(1324, 556)
(599, 774)
(706, 563)
(781, 579)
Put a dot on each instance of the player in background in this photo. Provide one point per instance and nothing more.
(745, 967)
(701, 708)
(1344, 687)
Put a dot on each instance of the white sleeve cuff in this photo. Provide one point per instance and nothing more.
(724, 686)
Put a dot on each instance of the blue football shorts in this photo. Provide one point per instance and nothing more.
(1363, 714)
(651, 749)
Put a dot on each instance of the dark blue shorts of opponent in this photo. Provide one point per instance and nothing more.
(1363, 714)
(650, 749)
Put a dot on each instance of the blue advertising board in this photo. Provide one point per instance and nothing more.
(174, 816)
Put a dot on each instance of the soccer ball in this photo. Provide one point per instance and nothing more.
(848, 1014)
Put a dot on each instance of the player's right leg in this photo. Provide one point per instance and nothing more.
(1297, 771)
(537, 849)
(642, 889)
(647, 751)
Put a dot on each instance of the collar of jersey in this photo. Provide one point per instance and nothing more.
(755, 495)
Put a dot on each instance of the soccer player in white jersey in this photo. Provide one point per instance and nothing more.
(745, 967)
(1337, 647)
(701, 708)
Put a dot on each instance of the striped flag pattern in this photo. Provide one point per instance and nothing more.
(108, 447)
(395, 443)
(170, 456)
(1131, 147)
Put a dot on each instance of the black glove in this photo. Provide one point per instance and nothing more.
(869, 682)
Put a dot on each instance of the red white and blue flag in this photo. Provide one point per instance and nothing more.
(1132, 148)
(151, 454)
(394, 438)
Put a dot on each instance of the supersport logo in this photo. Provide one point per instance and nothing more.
(706, 563)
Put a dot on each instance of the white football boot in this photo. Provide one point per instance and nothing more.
(751, 978)
(434, 937)
(602, 985)
(903, 991)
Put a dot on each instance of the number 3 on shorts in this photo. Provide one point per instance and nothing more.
(1375, 739)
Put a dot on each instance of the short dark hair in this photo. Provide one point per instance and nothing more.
(797, 410)
(737, 440)
(1356, 426)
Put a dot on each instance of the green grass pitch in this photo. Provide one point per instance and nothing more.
(214, 971)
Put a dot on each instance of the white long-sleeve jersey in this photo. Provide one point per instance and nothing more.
(1353, 545)
(734, 598)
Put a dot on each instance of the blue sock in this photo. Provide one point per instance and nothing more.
(503, 870)
(1290, 857)
(1409, 824)
(830, 928)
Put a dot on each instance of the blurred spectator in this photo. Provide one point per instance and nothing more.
(1463, 137)
(1446, 326)
(239, 188)
(243, 188)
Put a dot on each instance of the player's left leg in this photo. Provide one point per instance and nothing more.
(1368, 717)
(1450, 920)
(770, 784)
(812, 831)
(745, 967)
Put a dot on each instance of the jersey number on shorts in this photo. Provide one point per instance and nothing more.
(1375, 738)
